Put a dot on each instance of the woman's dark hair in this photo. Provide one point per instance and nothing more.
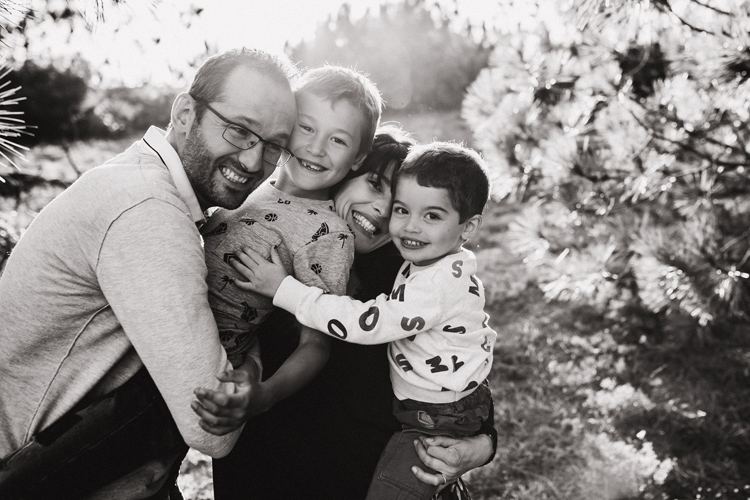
(391, 145)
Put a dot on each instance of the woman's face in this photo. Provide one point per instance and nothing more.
(365, 204)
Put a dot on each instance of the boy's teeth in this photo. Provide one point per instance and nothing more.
(411, 243)
(362, 221)
(232, 176)
(311, 166)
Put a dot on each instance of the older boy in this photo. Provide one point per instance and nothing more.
(440, 346)
(338, 112)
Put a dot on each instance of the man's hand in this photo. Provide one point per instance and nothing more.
(263, 277)
(451, 457)
(222, 413)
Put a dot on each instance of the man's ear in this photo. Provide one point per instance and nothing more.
(471, 227)
(183, 113)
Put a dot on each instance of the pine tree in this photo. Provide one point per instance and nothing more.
(623, 129)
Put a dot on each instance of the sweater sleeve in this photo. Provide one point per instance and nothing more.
(152, 272)
(325, 262)
(409, 309)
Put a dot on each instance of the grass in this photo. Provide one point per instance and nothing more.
(586, 409)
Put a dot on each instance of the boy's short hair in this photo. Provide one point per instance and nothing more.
(459, 170)
(334, 83)
(209, 81)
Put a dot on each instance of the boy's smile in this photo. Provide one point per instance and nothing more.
(325, 142)
(424, 224)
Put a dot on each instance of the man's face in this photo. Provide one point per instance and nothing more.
(220, 173)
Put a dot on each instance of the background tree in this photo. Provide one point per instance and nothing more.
(416, 54)
(622, 130)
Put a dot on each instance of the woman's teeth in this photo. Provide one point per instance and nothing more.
(232, 176)
(364, 223)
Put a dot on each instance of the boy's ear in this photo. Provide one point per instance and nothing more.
(471, 227)
(183, 113)
(358, 161)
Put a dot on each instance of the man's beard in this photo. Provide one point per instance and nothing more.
(202, 170)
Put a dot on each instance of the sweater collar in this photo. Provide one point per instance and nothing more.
(156, 139)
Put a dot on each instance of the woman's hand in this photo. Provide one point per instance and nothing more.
(450, 456)
(263, 277)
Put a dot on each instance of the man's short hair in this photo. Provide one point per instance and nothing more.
(335, 83)
(209, 81)
(456, 168)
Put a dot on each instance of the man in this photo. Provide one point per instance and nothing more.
(110, 277)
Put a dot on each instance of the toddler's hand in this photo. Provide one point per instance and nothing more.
(263, 277)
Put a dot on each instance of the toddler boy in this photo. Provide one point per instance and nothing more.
(440, 345)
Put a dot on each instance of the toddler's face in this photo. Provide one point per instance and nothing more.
(424, 225)
(324, 141)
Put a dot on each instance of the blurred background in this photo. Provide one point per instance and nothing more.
(615, 251)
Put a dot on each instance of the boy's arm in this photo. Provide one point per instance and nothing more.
(299, 368)
(220, 412)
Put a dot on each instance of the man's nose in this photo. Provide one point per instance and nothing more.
(252, 159)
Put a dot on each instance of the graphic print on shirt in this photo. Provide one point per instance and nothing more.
(283, 202)
(406, 272)
(456, 266)
(343, 237)
(403, 362)
(225, 280)
(474, 289)
(487, 344)
(322, 231)
(316, 268)
(271, 217)
(311, 212)
(456, 363)
(454, 329)
(249, 313)
(248, 221)
(436, 365)
(220, 229)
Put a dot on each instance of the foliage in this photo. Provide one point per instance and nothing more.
(53, 100)
(626, 131)
(621, 128)
(413, 52)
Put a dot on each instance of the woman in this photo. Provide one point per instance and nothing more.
(325, 441)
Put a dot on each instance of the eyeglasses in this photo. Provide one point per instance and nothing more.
(244, 138)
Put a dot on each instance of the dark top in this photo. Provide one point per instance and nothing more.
(324, 441)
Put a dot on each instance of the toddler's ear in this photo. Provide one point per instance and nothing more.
(471, 227)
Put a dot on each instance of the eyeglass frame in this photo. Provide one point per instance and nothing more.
(230, 123)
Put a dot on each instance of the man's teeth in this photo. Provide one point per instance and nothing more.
(364, 223)
(312, 167)
(412, 243)
(232, 176)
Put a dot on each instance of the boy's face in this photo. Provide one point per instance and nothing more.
(424, 225)
(325, 142)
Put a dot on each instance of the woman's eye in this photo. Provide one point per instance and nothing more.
(375, 185)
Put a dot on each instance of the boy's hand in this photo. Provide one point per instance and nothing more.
(222, 413)
(263, 277)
